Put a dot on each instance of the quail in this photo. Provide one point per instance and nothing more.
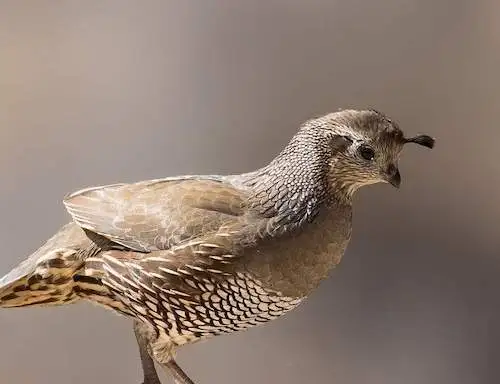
(196, 256)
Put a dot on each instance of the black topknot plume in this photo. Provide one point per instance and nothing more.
(423, 140)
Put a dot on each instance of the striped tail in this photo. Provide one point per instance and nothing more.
(68, 267)
(46, 281)
(46, 277)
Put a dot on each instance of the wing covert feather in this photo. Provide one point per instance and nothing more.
(157, 214)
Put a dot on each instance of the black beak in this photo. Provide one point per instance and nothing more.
(395, 180)
(393, 176)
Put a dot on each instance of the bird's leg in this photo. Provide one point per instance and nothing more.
(150, 347)
(148, 366)
(178, 374)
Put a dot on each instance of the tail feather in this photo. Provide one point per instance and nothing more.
(65, 269)
(46, 277)
(49, 283)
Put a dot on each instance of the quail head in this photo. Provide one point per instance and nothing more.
(191, 257)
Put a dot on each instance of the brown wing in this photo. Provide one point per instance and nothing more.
(157, 214)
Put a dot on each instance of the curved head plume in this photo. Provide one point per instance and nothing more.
(423, 140)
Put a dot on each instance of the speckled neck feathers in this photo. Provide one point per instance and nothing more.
(294, 187)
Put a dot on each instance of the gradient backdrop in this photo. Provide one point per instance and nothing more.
(98, 92)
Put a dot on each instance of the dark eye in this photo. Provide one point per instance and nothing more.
(366, 152)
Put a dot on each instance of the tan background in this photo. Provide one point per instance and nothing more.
(96, 92)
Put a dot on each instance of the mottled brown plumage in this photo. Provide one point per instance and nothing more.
(195, 256)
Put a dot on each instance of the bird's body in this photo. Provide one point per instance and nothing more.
(195, 256)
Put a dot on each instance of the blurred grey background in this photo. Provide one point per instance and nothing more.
(104, 91)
